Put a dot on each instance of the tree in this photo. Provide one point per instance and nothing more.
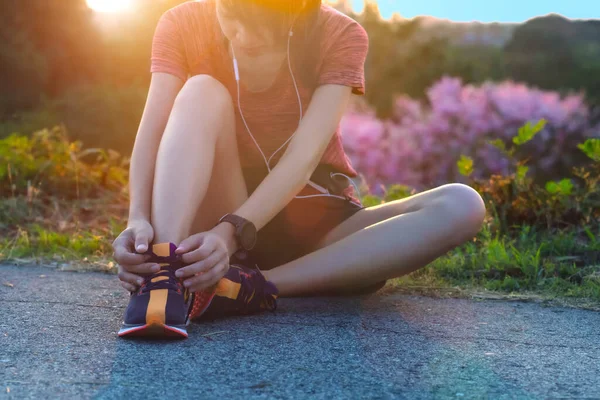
(557, 54)
(45, 47)
(401, 60)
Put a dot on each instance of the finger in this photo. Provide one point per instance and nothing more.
(129, 287)
(125, 239)
(221, 271)
(141, 242)
(199, 254)
(200, 266)
(207, 279)
(189, 243)
(132, 238)
(145, 268)
(130, 278)
(124, 256)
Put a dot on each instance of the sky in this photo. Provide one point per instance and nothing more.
(483, 11)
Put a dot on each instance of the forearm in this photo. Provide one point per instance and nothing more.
(285, 181)
(141, 178)
(161, 97)
(143, 163)
(279, 187)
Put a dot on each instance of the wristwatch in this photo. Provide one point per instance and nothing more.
(245, 231)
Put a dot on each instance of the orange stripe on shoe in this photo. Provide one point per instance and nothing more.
(159, 278)
(161, 249)
(155, 314)
(227, 288)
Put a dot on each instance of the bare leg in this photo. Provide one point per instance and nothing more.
(385, 242)
(198, 176)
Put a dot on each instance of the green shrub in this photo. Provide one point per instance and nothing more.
(48, 162)
(516, 200)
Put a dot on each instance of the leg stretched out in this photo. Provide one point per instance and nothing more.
(384, 242)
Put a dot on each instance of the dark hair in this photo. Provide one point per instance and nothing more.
(278, 16)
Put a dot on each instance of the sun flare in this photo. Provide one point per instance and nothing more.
(109, 5)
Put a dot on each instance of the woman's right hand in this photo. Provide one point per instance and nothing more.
(133, 265)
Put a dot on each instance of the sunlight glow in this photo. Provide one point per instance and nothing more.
(109, 5)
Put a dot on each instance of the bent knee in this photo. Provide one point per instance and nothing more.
(465, 209)
(203, 91)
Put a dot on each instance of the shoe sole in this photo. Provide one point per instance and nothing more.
(156, 330)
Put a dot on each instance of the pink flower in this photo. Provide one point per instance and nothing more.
(419, 146)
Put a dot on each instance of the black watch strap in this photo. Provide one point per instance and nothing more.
(241, 226)
(236, 220)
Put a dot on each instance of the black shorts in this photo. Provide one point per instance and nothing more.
(302, 224)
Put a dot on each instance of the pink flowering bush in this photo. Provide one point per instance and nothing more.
(420, 145)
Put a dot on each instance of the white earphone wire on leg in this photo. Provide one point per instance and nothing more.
(321, 189)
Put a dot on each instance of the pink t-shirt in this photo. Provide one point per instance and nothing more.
(188, 41)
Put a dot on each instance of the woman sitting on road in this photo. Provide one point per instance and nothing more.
(240, 187)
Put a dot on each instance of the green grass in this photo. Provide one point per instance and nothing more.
(560, 264)
(41, 243)
(64, 233)
(74, 251)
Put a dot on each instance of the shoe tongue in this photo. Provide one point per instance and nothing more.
(164, 253)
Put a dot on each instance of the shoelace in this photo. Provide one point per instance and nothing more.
(172, 282)
(254, 291)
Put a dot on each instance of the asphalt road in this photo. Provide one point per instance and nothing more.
(58, 339)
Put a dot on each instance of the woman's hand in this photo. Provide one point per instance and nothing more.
(136, 236)
(208, 258)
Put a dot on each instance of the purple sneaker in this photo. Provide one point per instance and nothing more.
(161, 306)
(243, 290)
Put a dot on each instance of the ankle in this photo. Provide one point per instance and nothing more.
(267, 275)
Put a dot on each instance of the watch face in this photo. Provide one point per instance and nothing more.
(248, 236)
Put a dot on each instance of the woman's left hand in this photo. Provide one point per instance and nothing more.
(208, 259)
